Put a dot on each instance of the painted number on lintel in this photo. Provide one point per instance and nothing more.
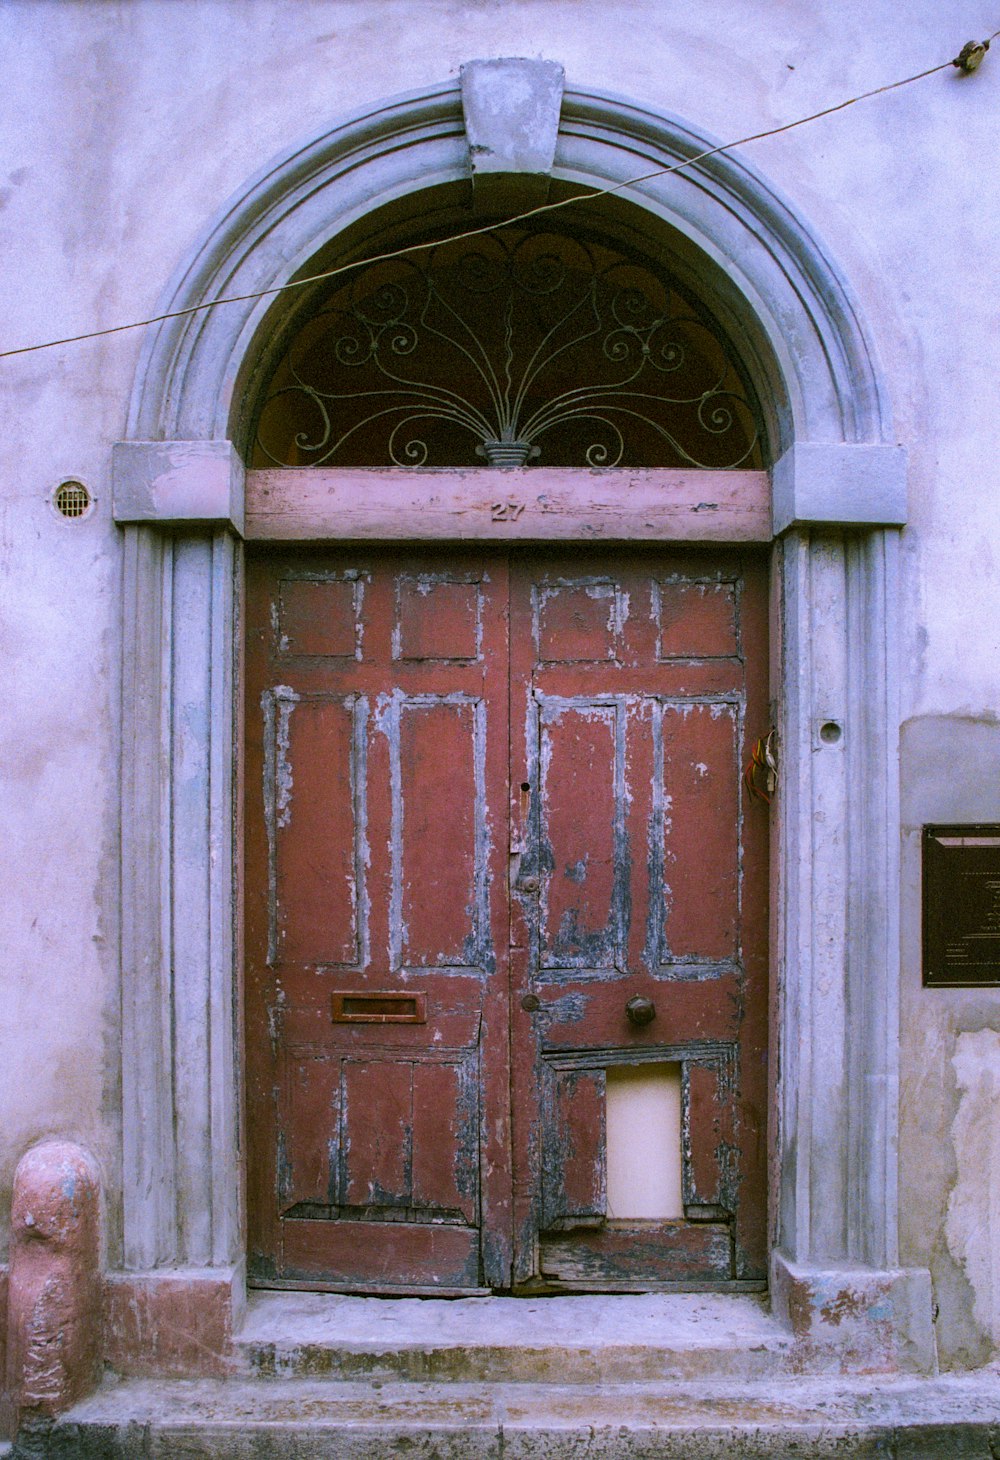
(505, 511)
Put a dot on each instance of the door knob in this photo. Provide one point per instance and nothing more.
(640, 1011)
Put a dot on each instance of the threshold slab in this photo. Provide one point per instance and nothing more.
(579, 1339)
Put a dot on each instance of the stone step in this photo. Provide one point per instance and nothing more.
(563, 1340)
(954, 1418)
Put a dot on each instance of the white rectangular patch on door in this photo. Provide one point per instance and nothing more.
(644, 1141)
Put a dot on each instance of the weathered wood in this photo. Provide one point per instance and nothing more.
(590, 1010)
(574, 1183)
(639, 702)
(390, 1254)
(486, 505)
(418, 726)
(709, 1140)
(637, 1252)
(377, 757)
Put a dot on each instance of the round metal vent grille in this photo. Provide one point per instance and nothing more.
(71, 499)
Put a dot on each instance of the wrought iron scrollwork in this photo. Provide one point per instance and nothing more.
(519, 344)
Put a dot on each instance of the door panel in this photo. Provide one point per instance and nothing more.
(376, 912)
(437, 777)
(489, 803)
(574, 1178)
(620, 1257)
(581, 850)
(639, 877)
(316, 856)
(696, 802)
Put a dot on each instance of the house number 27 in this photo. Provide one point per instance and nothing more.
(505, 511)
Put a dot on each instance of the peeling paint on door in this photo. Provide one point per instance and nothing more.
(423, 967)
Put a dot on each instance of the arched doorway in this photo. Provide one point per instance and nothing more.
(506, 887)
(838, 495)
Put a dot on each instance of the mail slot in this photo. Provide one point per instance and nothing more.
(389, 1007)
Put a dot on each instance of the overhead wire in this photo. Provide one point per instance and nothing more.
(586, 195)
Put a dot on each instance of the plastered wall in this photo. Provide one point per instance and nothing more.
(125, 128)
(950, 1086)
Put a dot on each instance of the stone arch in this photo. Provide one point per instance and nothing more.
(838, 497)
(786, 297)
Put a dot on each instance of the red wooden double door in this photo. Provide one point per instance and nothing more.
(498, 851)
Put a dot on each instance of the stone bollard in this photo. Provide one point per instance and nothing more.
(54, 1300)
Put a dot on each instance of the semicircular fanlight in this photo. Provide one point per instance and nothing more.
(519, 346)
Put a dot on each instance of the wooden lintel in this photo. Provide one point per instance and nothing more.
(314, 504)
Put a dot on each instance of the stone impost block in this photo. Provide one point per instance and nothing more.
(816, 484)
(175, 483)
(511, 112)
(54, 1299)
(850, 1318)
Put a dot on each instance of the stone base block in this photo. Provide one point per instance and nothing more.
(176, 1323)
(853, 1319)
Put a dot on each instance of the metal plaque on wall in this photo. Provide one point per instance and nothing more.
(961, 897)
